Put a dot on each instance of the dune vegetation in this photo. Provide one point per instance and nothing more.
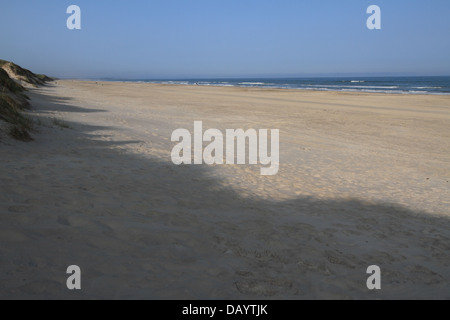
(13, 99)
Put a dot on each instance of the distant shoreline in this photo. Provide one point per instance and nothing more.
(434, 85)
(259, 87)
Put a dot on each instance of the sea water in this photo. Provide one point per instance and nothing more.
(399, 85)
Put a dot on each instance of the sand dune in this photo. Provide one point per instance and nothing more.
(363, 180)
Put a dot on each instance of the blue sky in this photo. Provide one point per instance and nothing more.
(226, 38)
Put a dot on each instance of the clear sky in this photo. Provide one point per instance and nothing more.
(226, 38)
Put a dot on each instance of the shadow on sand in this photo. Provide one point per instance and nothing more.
(145, 228)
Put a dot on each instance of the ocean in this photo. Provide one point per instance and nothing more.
(398, 85)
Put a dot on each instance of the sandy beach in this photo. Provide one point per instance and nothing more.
(363, 180)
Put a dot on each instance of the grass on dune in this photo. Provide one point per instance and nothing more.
(13, 99)
(19, 124)
(8, 83)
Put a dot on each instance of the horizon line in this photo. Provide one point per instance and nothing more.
(175, 78)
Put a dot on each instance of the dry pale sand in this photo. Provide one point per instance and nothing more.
(363, 180)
